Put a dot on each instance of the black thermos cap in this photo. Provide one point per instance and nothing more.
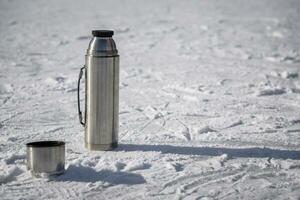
(102, 33)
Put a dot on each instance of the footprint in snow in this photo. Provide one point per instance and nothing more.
(10, 139)
(84, 37)
(186, 134)
(291, 59)
(134, 165)
(13, 23)
(9, 173)
(63, 42)
(177, 166)
(123, 30)
(285, 74)
(6, 88)
(295, 121)
(56, 80)
(119, 166)
(236, 123)
(205, 129)
(15, 159)
(289, 75)
(270, 91)
(283, 58)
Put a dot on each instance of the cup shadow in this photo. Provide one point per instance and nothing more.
(255, 152)
(87, 174)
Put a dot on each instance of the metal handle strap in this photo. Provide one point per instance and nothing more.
(78, 96)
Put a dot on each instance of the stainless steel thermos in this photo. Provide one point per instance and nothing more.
(101, 69)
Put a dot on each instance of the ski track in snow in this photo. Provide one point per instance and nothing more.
(209, 109)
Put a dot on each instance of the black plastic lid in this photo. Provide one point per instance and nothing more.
(102, 33)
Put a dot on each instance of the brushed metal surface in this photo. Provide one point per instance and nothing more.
(96, 147)
(102, 46)
(99, 99)
(46, 157)
(102, 94)
(116, 99)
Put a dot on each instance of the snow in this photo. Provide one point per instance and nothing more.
(209, 98)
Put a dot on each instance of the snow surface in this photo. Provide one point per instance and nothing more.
(209, 98)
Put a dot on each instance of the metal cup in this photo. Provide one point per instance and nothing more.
(46, 158)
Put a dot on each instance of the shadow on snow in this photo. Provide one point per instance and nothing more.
(214, 151)
(87, 174)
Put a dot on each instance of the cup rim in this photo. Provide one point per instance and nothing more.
(50, 143)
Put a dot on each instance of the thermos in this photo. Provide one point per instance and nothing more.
(101, 69)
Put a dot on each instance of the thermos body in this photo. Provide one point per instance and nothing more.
(101, 93)
(102, 102)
